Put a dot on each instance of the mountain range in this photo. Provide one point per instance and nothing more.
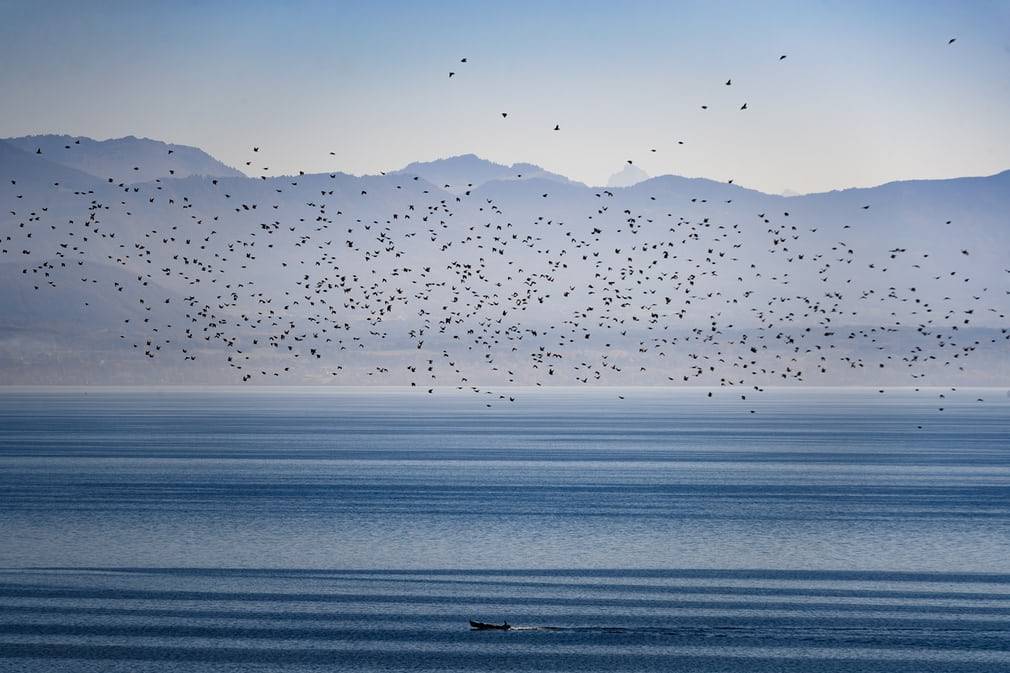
(128, 159)
(82, 216)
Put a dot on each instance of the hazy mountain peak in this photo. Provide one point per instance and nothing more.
(127, 159)
(627, 176)
(468, 171)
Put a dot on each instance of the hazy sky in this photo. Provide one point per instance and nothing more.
(870, 91)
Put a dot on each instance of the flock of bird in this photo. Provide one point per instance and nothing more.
(729, 82)
(446, 286)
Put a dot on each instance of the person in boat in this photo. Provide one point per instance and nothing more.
(506, 625)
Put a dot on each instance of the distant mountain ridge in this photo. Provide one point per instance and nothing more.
(627, 176)
(132, 160)
(95, 249)
(128, 159)
(17, 164)
(463, 172)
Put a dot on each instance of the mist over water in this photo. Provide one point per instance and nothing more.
(220, 530)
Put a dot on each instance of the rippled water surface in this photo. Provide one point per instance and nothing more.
(816, 530)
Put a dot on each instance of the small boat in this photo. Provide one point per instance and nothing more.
(482, 626)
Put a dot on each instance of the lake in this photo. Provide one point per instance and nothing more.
(359, 529)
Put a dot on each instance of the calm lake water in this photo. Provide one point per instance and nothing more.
(321, 530)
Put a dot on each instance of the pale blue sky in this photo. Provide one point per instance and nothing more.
(870, 91)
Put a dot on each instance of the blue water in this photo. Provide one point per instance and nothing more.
(308, 530)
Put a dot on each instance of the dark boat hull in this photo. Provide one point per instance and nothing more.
(481, 626)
